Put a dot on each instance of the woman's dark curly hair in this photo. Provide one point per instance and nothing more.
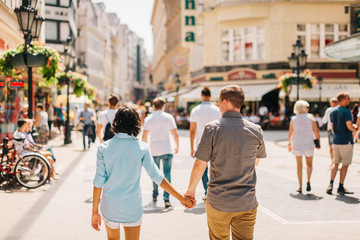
(127, 120)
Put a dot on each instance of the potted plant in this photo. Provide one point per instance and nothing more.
(307, 80)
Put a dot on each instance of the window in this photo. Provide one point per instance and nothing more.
(51, 2)
(316, 37)
(51, 30)
(242, 44)
(56, 31)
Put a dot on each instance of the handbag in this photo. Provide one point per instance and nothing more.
(317, 143)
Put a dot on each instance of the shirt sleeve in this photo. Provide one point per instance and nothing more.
(348, 116)
(325, 119)
(172, 123)
(100, 176)
(261, 153)
(102, 119)
(204, 149)
(146, 124)
(193, 115)
(152, 170)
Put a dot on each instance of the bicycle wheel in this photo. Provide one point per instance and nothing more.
(32, 171)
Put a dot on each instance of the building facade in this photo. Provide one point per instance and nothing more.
(248, 43)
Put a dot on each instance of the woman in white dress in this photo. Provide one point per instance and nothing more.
(302, 129)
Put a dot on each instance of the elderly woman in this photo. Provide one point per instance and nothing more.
(302, 129)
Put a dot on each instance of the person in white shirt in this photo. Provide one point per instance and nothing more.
(160, 125)
(107, 117)
(199, 117)
(326, 119)
(263, 112)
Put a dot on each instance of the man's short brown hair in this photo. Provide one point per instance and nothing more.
(341, 96)
(234, 94)
(159, 103)
(206, 92)
(113, 100)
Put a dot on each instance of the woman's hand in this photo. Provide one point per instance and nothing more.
(289, 147)
(188, 202)
(96, 221)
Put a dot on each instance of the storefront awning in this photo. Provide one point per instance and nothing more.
(347, 49)
(252, 92)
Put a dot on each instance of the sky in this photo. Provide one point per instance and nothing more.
(137, 15)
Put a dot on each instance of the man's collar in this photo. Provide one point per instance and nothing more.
(232, 114)
(123, 135)
(205, 102)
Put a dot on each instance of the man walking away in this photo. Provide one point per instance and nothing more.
(342, 128)
(199, 117)
(86, 117)
(160, 125)
(106, 118)
(326, 119)
(232, 145)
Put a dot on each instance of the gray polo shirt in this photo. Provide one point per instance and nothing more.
(231, 144)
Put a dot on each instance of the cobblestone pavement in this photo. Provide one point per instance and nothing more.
(62, 210)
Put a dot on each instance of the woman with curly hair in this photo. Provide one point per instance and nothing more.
(119, 164)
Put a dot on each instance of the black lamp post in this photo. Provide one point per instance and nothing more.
(320, 80)
(177, 77)
(69, 63)
(30, 25)
(297, 62)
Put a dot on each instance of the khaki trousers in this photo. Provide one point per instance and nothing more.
(242, 224)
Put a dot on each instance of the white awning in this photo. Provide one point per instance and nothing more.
(252, 92)
(347, 49)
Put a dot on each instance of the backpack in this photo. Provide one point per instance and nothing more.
(108, 134)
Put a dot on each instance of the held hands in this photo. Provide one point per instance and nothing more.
(188, 202)
(96, 221)
(190, 196)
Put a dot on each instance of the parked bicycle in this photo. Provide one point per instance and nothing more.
(31, 170)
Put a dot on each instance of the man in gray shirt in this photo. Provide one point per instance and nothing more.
(232, 145)
(86, 117)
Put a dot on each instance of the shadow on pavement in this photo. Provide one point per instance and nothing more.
(198, 209)
(305, 196)
(347, 199)
(152, 208)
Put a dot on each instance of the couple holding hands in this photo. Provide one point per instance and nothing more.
(231, 144)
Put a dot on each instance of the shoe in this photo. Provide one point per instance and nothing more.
(299, 190)
(167, 204)
(308, 187)
(41, 178)
(154, 199)
(343, 191)
(329, 189)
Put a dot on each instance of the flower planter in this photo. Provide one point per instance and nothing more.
(18, 61)
(38, 60)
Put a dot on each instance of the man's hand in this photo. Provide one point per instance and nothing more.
(188, 202)
(96, 221)
(192, 152)
(176, 150)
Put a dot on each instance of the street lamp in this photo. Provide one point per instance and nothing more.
(297, 62)
(177, 77)
(69, 63)
(320, 80)
(30, 25)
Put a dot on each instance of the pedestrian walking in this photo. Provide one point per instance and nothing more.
(41, 124)
(119, 164)
(302, 128)
(76, 117)
(50, 111)
(106, 118)
(87, 118)
(199, 117)
(60, 118)
(232, 145)
(342, 128)
(326, 120)
(160, 125)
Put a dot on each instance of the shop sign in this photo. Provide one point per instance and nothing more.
(190, 20)
(241, 75)
(179, 61)
(197, 80)
(2, 84)
(16, 84)
(57, 13)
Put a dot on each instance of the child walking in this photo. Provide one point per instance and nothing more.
(119, 164)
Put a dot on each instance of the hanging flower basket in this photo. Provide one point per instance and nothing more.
(46, 58)
(78, 82)
(306, 79)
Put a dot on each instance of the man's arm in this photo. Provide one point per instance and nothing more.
(192, 137)
(176, 138)
(98, 132)
(352, 127)
(145, 135)
(196, 174)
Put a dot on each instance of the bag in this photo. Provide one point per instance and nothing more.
(108, 134)
(317, 143)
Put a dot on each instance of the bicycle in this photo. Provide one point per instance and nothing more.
(30, 170)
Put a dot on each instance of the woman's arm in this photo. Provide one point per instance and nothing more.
(291, 131)
(37, 120)
(170, 189)
(96, 218)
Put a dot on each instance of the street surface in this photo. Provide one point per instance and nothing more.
(62, 210)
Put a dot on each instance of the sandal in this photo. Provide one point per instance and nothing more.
(299, 190)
